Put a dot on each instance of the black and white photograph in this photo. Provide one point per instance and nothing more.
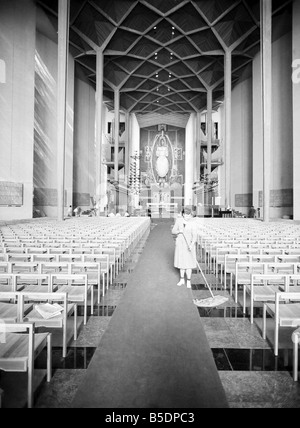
(149, 207)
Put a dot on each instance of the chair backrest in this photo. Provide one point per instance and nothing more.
(18, 257)
(69, 278)
(70, 258)
(23, 267)
(102, 259)
(265, 279)
(32, 279)
(290, 297)
(9, 295)
(259, 268)
(44, 257)
(284, 268)
(8, 279)
(5, 267)
(54, 267)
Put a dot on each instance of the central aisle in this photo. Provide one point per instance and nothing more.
(154, 353)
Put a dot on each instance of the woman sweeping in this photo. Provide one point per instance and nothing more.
(185, 251)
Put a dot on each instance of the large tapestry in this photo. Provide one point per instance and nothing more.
(162, 157)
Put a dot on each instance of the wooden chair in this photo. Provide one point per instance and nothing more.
(18, 349)
(103, 260)
(230, 268)
(285, 312)
(263, 288)
(93, 272)
(9, 307)
(58, 322)
(77, 288)
(243, 272)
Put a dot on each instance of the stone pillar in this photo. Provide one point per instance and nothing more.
(296, 107)
(266, 64)
(100, 186)
(127, 146)
(228, 115)
(117, 131)
(209, 129)
(189, 161)
(63, 53)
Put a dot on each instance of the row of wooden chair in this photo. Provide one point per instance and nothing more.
(55, 263)
(265, 261)
(20, 317)
(79, 286)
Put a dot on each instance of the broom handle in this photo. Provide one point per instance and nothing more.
(199, 267)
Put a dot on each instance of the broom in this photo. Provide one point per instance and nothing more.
(213, 301)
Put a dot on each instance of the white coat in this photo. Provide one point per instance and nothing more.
(186, 232)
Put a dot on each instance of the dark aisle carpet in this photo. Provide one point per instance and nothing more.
(154, 353)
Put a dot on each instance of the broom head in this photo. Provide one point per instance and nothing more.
(212, 302)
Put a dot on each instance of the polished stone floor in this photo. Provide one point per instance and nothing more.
(251, 375)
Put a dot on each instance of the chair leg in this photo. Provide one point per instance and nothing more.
(265, 322)
(75, 323)
(252, 309)
(85, 311)
(296, 352)
(276, 342)
(92, 300)
(30, 384)
(64, 340)
(49, 357)
(244, 304)
(103, 284)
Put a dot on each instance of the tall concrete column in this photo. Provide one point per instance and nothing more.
(296, 107)
(62, 80)
(228, 115)
(198, 152)
(100, 186)
(189, 161)
(117, 130)
(195, 150)
(266, 64)
(209, 129)
(127, 144)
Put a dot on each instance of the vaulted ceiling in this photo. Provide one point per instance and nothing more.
(163, 55)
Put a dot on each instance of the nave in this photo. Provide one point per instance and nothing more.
(251, 375)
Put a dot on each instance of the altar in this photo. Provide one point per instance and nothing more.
(163, 210)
